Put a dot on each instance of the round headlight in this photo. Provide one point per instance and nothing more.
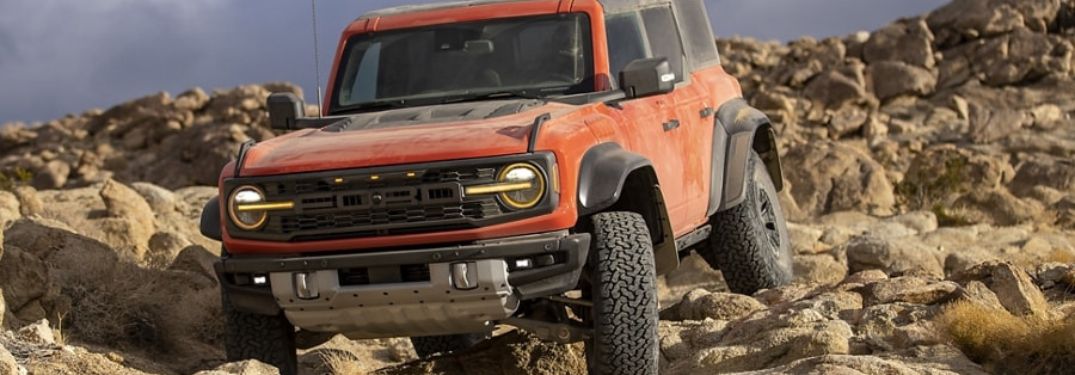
(247, 219)
(522, 173)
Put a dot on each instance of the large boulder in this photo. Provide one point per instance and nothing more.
(248, 367)
(908, 41)
(940, 174)
(1014, 288)
(893, 256)
(890, 79)
(830, 177)
(700, 304)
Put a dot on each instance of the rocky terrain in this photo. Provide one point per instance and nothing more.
(930, 185)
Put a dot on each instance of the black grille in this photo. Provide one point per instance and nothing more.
(385, 201)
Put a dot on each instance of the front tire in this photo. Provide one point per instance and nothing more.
(749, 243)
(624, 292)
(269, 339)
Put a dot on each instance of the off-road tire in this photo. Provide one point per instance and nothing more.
(269, 339)
(428, 346)
(623, 278)
(749, 243)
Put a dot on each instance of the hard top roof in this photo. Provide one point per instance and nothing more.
(610, 6)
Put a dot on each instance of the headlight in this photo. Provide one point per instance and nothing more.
(243, 207)
(519, 186)
(528, 179)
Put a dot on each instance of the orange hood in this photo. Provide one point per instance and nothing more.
(402, 136)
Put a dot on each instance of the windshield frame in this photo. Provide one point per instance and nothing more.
(588, 84)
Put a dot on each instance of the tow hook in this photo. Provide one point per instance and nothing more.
(304, 287)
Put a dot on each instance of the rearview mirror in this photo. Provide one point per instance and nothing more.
(285, 110)
(645, 77)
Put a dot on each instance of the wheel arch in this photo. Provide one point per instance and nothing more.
(741, 129)
(614, 179)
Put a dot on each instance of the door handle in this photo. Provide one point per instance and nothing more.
(707, 111)
(671, 124)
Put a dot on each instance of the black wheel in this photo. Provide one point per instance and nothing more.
(623, 282)
(749, 243)
(428, 346)
(269, 339)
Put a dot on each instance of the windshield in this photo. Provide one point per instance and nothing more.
(529, 57)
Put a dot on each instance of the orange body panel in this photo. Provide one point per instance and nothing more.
(682, 156)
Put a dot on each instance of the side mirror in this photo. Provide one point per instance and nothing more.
(645, 77)
(285, 110)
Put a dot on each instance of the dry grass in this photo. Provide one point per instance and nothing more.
(1060, 256)
(343, 364)
(1008, 344)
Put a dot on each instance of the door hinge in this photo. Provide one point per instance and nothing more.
(672, 124)
(707, 111)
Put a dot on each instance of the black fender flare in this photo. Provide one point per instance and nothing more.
(603, 172)
(741, 128)
(603, 176)
(210, 222)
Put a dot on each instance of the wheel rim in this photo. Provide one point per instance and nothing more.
(767, 211)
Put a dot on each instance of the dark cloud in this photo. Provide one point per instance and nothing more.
(60, 56)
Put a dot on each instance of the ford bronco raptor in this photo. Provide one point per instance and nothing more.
(526, 163)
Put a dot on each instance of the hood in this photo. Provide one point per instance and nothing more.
(402, 136)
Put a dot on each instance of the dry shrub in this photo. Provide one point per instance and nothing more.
(343, 363)
(1060, 256)
(1008, 344)
(148, 311)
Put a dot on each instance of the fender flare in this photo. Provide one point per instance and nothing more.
(210, 222)
(603, 172)
(603, 176)
(741, 129)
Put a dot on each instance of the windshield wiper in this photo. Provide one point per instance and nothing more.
(522, 94)
(377, 105)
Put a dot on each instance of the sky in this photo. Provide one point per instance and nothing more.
(66, 56)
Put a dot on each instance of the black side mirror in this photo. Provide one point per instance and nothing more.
(285, 110)
(645, 77)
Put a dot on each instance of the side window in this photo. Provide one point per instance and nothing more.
(693, 19)
(626, 42)
(664, 37)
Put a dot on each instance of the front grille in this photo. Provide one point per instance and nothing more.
(385, 201)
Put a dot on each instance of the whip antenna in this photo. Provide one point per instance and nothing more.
(317, 58)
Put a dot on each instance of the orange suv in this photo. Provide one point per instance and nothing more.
(530, 163)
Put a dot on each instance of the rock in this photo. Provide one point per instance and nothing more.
(511, 353)
(834, 89)
(1054, 274)
(164, 246)
(908, 41)
(160, 200)
(700, 304)
(23, 276)
(990, 124)
(248, 367)
(847, 120)
(819, 269)
(1013, 287)
(834, 177)
(890, 79)
(977, 292)
(51, 175)
(195, 259)
(919, 221)
(997, 206)
(909, 289)
(131, 222)
(9, 210)
(191, 100)
(940, 174)
(945, 361)
(39, 333)
(3, 309)
(879, 326)
(1043, 170)
(29, 203)
(8, 366)
(892, 256)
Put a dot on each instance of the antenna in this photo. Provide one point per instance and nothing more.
(317, 58)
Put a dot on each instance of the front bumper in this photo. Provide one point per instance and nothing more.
(320, 293)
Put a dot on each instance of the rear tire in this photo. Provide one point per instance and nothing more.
(624, 292)
(269, 339)
(749, 243)
(428, 346)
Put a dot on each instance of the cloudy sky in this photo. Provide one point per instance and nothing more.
(64, 56)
